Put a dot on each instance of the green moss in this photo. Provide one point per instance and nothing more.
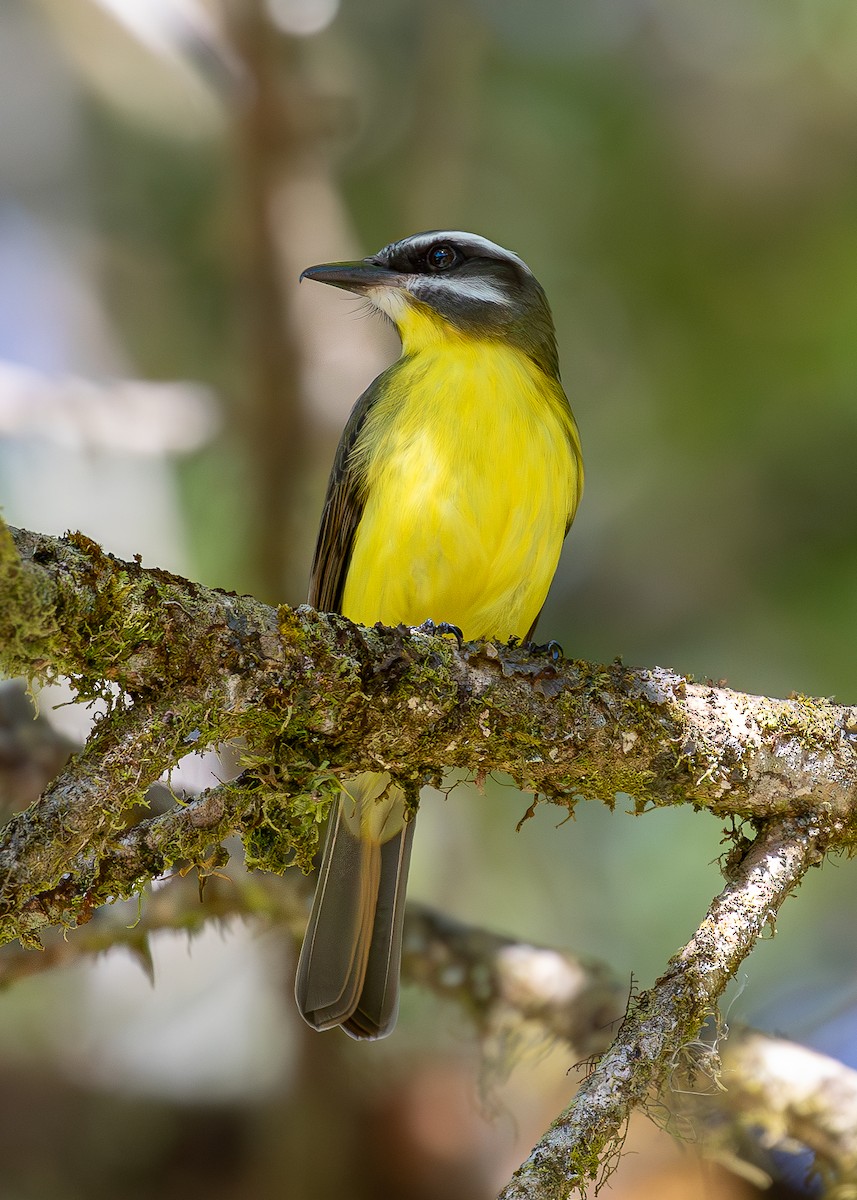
(285, 832)
(817, 722)
(28, 624)
(605, 782)
(583, 1163)
(110, 620)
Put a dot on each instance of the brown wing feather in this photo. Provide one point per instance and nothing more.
(343, 508)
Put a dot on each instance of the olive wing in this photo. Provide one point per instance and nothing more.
(343, 508)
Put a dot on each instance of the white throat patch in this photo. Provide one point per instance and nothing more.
(389, 300)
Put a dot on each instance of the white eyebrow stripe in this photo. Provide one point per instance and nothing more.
(472, 241)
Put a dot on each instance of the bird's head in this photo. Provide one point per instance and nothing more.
(442, 284)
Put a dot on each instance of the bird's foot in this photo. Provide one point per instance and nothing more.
(553, 650)
(443, 627)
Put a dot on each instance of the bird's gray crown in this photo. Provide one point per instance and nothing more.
(409, 255)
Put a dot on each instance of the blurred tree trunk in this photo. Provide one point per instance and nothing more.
(271, 136)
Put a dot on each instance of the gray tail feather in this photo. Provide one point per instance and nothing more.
(377, 1007)
(348, 970)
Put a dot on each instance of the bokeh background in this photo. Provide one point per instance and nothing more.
(682, 178)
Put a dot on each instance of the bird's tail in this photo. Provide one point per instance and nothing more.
(348, 970)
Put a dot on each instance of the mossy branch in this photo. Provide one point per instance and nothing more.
(407, 700)
(313, 697)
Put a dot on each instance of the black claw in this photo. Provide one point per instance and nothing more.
(552, 649)
(443, 627)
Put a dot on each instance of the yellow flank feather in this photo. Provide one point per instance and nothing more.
(472, 475)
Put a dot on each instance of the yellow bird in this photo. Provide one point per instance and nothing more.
(454, 484)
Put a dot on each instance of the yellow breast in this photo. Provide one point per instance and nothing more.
(472, 474)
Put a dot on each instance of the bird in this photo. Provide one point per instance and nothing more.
(455, 482)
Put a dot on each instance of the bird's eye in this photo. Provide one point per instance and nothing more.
(441, 257)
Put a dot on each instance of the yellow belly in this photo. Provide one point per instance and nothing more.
(472, 474)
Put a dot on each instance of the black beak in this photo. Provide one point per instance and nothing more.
(354, 276)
